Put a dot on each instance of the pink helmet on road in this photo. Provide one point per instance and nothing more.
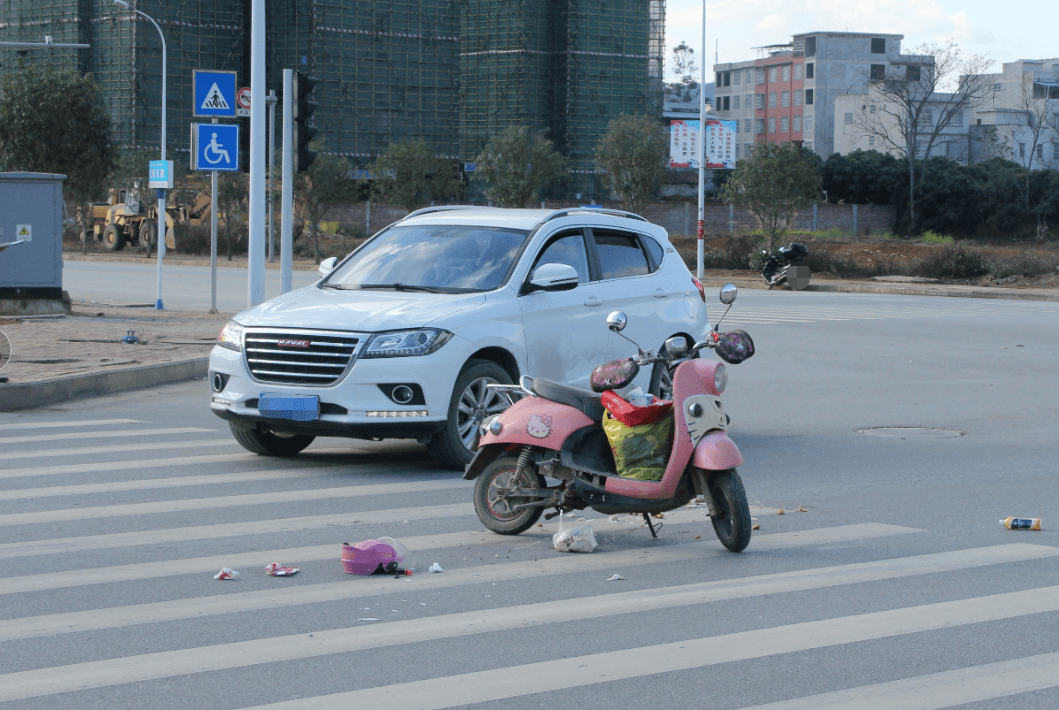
(372, 556)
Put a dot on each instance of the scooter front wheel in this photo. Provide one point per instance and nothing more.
(496, 507)
(732, 522)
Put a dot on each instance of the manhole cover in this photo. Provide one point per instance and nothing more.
(911, 433)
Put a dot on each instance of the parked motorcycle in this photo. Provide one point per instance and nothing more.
(557, 432)
(787, 264)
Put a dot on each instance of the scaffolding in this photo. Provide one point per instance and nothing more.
(452, 73)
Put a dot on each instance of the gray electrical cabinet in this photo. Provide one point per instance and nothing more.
(31, 211)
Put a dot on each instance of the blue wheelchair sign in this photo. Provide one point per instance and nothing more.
(215, 146)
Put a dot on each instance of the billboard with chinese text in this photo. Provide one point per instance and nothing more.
(719, 139)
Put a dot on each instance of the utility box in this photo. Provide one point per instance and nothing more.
(31, 211)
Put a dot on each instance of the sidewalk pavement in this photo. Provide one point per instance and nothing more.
(54, 359)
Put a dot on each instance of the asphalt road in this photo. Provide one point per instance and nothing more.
(896, 589)
(184, 288)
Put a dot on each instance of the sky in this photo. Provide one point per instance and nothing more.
(1016, 29)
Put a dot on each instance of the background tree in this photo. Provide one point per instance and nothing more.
(56, 122)
(912, 110)
(1025, 139)
(409, 175)
(518, 164)
(324, 185)
(864, 177)
(633, 152)
(684, 63)
(231, 200)
(774, 183)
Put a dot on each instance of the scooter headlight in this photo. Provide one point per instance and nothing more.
(720, 378)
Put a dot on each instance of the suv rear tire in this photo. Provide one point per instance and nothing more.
(453, 447)
(266, 443)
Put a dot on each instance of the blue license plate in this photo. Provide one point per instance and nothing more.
(298, 408)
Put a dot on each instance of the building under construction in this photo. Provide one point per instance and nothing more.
(451, 73)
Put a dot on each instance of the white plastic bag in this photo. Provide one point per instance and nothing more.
(576, 539)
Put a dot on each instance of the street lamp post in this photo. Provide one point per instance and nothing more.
(161, 192)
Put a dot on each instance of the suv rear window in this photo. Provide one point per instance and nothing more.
(619, 254)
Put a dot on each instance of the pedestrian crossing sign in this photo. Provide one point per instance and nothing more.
(214, 94)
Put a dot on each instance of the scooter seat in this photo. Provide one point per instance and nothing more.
(584, 400)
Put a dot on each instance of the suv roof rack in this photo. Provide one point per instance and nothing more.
(438, 208)
(594, 210)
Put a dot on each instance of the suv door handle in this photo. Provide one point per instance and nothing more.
(660, 293)
(593, 301)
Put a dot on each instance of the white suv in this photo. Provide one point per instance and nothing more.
(400, 339)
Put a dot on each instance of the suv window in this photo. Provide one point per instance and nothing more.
(619, 254)
(567, 249)
(656, 252)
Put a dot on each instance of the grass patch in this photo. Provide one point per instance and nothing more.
(953, 263)
(932, 237)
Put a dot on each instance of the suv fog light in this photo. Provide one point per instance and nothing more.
(402, 394)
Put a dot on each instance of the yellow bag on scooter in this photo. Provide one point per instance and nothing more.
(640, 451)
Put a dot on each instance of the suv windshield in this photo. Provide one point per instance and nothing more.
(446, 259)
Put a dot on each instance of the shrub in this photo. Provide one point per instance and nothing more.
(953, 263)
(933, 237)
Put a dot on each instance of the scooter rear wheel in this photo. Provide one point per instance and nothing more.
(732, 523)
(496, 511)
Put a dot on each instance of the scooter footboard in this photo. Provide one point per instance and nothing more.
(716, 452)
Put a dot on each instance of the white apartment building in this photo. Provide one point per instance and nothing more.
(1018, 119)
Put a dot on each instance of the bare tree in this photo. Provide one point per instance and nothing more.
(684, 63)
(912, 108)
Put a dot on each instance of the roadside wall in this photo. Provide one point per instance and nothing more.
(679, 218)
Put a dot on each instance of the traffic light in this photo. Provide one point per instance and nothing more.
(303, 132)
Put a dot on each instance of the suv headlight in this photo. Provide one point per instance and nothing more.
(402, 343)
(231, 336)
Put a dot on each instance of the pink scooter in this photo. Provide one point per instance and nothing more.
(555, 431)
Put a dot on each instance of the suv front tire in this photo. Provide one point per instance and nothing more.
(471, 404)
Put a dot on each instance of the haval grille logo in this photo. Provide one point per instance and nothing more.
(285, 343)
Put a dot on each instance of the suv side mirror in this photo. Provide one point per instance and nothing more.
(327, 266)
(554, 277)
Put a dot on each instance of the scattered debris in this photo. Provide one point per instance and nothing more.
(755, 526)
(658, 515)
(436, 568)
(615, 578)
(579, 539)
(226, 573)
(698, 537)
(802, 510)
(130, 338)
(1021, 523)
(780, 511)
(277, 570)
(369, 619)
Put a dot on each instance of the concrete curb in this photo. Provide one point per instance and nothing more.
(903, 289)
(25, 395)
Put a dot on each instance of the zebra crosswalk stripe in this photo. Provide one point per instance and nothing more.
(505, 683)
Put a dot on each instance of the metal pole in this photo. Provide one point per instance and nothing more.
(272, 100)
(286, 229)
(256, 248)
(161, 193)
(702, 150)
(213, 239)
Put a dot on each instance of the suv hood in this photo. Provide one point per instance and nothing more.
(359, 311)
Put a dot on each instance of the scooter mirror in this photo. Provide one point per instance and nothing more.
(677, 346)
(617, 320)
(728, 293)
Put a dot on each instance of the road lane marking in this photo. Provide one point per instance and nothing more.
(509, 682)
(172, 462)
(548, 676)
(945, 689)
(185, 481)
(196, 565)
(51, 453)
(226, 502)
(801, 580)
(70, 545)
(104, 434)
(57, 425)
